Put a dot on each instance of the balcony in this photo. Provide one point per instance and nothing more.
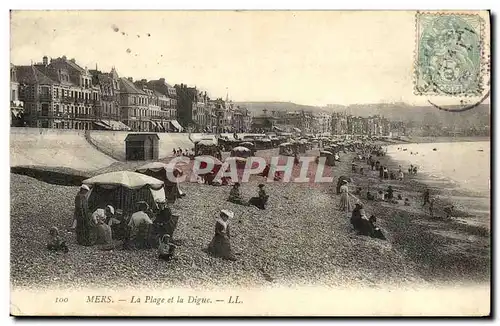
(45, 98)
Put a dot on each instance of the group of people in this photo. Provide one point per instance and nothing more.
(260, 201)
(359, 219)
(107, 227)
(145, 229)
(180, 152)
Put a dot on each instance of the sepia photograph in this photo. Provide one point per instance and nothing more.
(250, 163)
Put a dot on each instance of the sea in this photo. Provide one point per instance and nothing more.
(459, 171)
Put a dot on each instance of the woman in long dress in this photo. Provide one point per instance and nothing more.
(85, 234)
(220, 245)
(345, 204)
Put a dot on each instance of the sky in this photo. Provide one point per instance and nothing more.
(313, 58)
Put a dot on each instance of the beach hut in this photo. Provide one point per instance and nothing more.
(286, 149)
(142, 147)
(249, 145)
(122, 190)
(161, 171)
(330, 157)
(206, 147)
(240, 161)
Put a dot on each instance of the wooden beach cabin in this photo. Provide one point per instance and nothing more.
(142, 146)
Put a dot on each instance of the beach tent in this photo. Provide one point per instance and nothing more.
(161, 172)
(159, 167)
(206, 142)
(241, 151)
(202, 160)
(240, 162)
(122, 190)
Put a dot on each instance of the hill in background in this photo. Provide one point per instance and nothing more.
(414, 116)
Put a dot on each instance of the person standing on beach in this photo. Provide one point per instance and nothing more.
(84, 228)
(220, 246)
(345, 204)
(426, 197)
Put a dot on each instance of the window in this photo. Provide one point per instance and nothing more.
(45, 92)
(13, 95)
(45, 109)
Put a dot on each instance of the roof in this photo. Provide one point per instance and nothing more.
(75, 66)
(141, 136)
(159, 94)
(127, 86)
(32, 75)
(160, 82)
(53, 74)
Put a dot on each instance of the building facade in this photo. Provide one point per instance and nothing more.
(109, 85)
(134, 106)
(59, 94)
(169, 100)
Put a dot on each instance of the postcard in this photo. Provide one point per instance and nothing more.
(250, 163)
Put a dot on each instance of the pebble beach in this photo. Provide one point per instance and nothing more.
(300, 239)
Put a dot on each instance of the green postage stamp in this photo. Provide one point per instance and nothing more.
(448, 54)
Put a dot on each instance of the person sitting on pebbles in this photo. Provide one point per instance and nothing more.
(166, 249)
(103, 233)
(220, 246)
(356, 216)
(260, 201)
(235, 195)
(374, 230)
(449, 211)
(55, 242)
(139, 226)
(103, 214)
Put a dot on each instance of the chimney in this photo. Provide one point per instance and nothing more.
(64, 57)
(73, 60)
(45, 60)
(144, 80)
(162, 80)
(130, 79)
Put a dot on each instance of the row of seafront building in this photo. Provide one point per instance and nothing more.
(61, 94)
(58, 93)
(338, 123)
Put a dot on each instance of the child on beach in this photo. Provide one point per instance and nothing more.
(55, 242)
(407, 202)
(166, 249)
